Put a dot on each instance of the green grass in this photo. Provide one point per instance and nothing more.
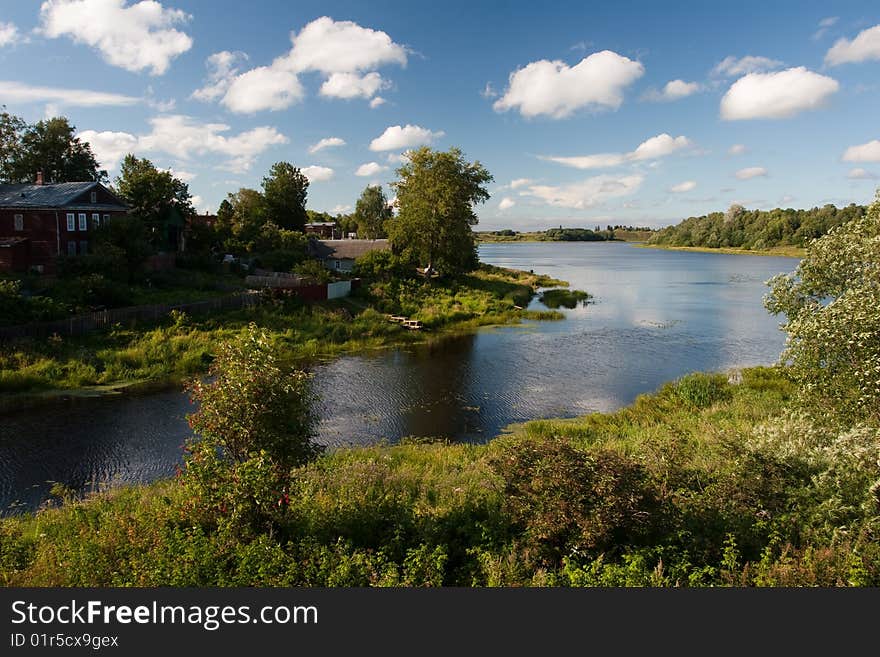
(787, 251)
(181, 346)
(702, 483)
(564, 298)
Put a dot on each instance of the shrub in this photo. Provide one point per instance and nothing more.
(702, 390)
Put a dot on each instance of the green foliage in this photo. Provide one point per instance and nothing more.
(313, 270)
(565, 298)
(831, 304)
(371, 213)
(251, 405)
(50, 146)
(284, 192)
(436, 195)
(383, 265)
(702, 390)
(756, 229)
(15, 308)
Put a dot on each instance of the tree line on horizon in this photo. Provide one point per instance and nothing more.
(757, 229)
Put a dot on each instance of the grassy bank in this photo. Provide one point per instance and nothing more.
(493, 237)
(787, 251)
(183, 346)
(702, 483)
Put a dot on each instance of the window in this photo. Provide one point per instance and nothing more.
(82, 221)
(337, 264)
(106, 218)
(83, 247)
(93, 197)
(19, 222)
(96, 219)
(71, 222)
(71, 248)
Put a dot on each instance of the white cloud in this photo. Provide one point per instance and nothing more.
(183, 176)
(864, 47)
(353, 85)
(506, 203)
(682, 187)
(673, 90)
(317, 174)
(860, 174)
(824, 25)
(262, 88)
(184, 138)
(731, 67)
(345, 53)
(776, 95)
(9, 34)
(23, 93)
(341, 209)
(376, 102)
(489, 92)
(586, 193)
(110, 147)
(396, 137)
(557, 90)
(869, 152)
(370, 169)
(650, 149)
(751, 172)
(327, 142)
(398, 158)
(134, 37)
(520, 182)
(737, 149)
(222, 67)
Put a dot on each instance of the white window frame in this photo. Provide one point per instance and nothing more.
(71, 247)
(96, 219)
(83, 247)
(18, 222)
(83, 219)
(71, 222)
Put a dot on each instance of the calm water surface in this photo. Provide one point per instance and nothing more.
(656, 315)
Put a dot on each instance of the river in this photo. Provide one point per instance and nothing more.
(656, 315)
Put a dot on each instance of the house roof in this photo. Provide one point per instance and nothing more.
(54, 195)
(346, 249)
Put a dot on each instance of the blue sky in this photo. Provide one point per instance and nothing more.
(585, 113)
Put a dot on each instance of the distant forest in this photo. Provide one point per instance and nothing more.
(756, 229)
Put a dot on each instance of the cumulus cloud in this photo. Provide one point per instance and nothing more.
(869, 152)
(370, 169)
(222, 67)
(737, 149)
(751, 172)
(520, 182)
(327, 142)
(673, 90)
(376, 102)
(134, 37)
(776, 95)
(396, 137)
(586, 193)
(865, 46)
(25, 93)
(317, 174)
(343, 52)
(110, 147)
(554, 89)
(650, 149)
(506, 203)
(731, 67)
(682, 187)
(184, 138)
(8, 34)
(860, 174)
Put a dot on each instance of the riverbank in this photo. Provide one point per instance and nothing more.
(35, 371)
(496, 237)
(705, 482)
(784, 251)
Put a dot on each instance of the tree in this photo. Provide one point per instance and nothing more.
(371, 213)
(50, 146)
(246, 211)
(153, 195)
(125, 237)
(11, 130)
(436, 195)
(249, 404)
(285, 190)
(833, 326)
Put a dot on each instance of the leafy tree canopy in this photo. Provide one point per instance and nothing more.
(285, 190)
(371, 213)
(436, 195)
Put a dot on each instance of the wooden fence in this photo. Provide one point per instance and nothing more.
(103, 319)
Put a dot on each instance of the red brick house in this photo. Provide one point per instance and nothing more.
(40, 222)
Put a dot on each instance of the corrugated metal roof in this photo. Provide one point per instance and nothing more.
(43, 196)
(346, 249)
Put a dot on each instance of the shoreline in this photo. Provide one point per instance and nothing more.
(778, 251)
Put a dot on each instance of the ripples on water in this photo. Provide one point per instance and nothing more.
(656, 315)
